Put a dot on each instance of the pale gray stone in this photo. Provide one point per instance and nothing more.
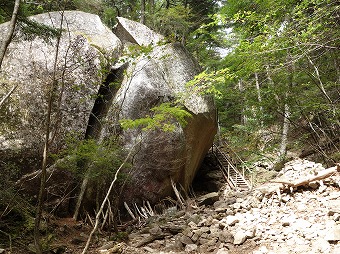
(321, 245)
(190, 248)
(222, 251)
(333, 234)
(226, 236)
(84, 45)
(221, 206)
(209, 199)
(161, 77)
(192, 224)
(138, 33)
(336, 250)
(237, 206)
(240, 237)
(333, 206)
(232, 220)
(186, 240)
(250, 233)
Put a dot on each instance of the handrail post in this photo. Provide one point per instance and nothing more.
(228, 171)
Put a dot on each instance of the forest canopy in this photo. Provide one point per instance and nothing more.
(281, 59)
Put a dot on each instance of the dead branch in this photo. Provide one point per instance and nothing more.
(129, 210)
(10, 32)
(148, 208)
(320, 176)
(140, 212)
(178, 195)
(8, 95)
(105, 215)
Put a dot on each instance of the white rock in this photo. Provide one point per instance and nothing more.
(336, 217)
(333, 234)
(336, 250)
(232, 220)
(304, 248)
(237, 206)
(192, 224)
(301, 207)
(301, 224)
(261, 250)
(222, 251)
(250, 233)
(190, 247)
(321, 245)
(143, 35)
(240, 237)
(249, 217)
(334, 206)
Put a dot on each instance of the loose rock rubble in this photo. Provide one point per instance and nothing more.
(302, 220)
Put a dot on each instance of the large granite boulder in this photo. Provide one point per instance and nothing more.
(157, 75)
(152, 78)
(84, 45)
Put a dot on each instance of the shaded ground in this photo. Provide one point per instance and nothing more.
(298, 221)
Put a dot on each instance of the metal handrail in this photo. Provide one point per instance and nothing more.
(230, 166)
(238, 158)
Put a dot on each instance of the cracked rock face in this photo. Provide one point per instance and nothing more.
(152, 78)
(30, 65)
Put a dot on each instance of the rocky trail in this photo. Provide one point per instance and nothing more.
(300, 220)
(270, 219)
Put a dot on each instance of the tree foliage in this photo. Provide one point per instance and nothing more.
(102, 158)
(163, 118)
(292, 47)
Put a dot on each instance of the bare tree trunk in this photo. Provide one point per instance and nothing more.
(142, 10)
(39, 211)
(10, 33)
(310, 178)
(271, 82)
(257, 83)
(286, 112)
(244, 119)
(81, 196)
(321, 86)
(285, 129)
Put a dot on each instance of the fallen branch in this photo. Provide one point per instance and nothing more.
(129, 211)
(140, 212)
(148, 208)
(8, 95)
(180, 199)
(320, 176)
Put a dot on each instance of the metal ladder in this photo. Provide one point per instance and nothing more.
(233, 176)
